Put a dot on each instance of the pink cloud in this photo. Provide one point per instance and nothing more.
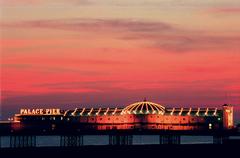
(63, 71)
(226, 10)
(148, 34)
(43, 2)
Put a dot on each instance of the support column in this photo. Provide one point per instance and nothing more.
(22, 141)
(71, 141)
(130, 140)
(110, 140)
(176, 139)
(218, 139)
(160, 139)
(114, 140)
(163, 139)
(120, 139)
(169, 139)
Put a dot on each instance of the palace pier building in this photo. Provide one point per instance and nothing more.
(141, 116)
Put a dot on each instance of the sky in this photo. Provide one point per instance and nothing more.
(91, 53)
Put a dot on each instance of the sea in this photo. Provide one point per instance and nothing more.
(54, 141)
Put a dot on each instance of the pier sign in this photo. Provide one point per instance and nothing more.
(40, 111)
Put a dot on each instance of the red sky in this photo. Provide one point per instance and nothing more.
(90, 53)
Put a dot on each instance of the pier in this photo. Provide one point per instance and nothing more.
(74, 138)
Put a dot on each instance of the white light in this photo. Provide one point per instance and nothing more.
(172, 111)
(82, 111)
(210, 126)
(198, 112)
(114, 111)
(180, 113)
(74, 112)
(206, 113)
(189, 112)
(98, 111)
(215, 112)
(106, 111)
(90, 111)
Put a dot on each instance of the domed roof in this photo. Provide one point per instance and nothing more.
(144, 107)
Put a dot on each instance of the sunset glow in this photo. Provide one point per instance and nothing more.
(62, 54)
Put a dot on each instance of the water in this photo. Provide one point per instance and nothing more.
(54, 141)
(196, 140)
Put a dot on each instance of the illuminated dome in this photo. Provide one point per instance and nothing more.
(144, 107)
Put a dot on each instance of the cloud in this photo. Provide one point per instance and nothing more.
(93, 25)
(197, 42)
(103, 85)
(127, 3)
(43, 2)
(152, 34)
(50, 69)
(225, 10)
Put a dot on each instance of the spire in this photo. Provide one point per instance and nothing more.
(145, 99)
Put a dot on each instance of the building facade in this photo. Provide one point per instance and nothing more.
(140, 115)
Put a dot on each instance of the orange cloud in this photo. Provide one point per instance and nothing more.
(225, 10)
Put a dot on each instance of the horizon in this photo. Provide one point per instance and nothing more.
(90, 52)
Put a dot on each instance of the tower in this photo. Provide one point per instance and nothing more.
(227, 116)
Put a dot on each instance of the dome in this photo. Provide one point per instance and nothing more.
(144, 107)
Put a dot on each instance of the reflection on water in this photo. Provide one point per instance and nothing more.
(47, 141)
(43, 141)
(196, 139)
